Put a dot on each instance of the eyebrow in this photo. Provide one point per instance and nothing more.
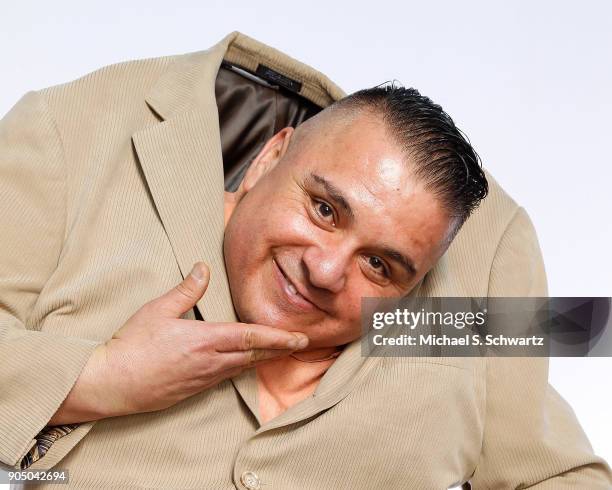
(336, 195)
(400, 258)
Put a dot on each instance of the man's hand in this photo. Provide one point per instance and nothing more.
(157, 359)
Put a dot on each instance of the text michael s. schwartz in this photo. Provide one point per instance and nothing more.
(445, 340)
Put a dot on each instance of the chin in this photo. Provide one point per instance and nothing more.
(255, 302)
(253, 308)
(272, 316)
(262, 312)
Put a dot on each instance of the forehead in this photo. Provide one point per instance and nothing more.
(362, 160)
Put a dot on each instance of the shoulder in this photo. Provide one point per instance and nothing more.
(471, 255)
(111, 99)
(494, 214)
(123, 75)
(118, 88)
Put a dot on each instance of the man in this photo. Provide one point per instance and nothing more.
(362, 199)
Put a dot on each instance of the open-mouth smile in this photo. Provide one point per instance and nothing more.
(290, 291)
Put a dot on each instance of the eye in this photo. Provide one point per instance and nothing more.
(325, 211)
(378, 265)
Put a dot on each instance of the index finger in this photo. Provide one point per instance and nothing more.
(248, 336)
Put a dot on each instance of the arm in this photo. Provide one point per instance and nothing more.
(532, 438)
(51, 379)
(37, 369)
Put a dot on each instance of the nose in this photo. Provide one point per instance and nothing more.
(327, 266)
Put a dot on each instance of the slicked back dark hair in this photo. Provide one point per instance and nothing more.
(444, 160)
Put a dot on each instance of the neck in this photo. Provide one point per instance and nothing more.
(316, 354)
(288, 374)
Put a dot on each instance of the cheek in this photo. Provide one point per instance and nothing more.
(259, 225)
(289, 225)
(358, 287)
(350, 301)
(353, 305)
(348, 325)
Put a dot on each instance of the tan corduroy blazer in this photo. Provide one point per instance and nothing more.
(112, 187)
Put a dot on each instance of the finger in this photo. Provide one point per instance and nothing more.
(246, 336)
(230, 372)
(248, 358)
(183, 297)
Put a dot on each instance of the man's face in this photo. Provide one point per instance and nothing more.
(335, 218)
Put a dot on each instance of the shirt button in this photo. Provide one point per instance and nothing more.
(250, 480)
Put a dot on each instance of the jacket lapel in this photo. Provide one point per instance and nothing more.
(182, 161)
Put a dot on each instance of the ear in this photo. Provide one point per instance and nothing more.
(267, 158)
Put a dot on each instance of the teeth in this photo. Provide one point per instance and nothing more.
(291, 288)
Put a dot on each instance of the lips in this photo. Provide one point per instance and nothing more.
(290, 292)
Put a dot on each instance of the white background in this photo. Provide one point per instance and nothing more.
(529, 82)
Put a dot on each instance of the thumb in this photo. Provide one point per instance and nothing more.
(183, 297)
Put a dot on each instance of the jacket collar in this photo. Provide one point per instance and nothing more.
(189, 82)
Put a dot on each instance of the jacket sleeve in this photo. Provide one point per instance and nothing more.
(531, 437)
(37, 368)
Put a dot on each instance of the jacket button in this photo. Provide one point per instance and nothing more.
(250, 480)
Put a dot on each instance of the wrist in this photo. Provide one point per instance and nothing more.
(91, 397)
